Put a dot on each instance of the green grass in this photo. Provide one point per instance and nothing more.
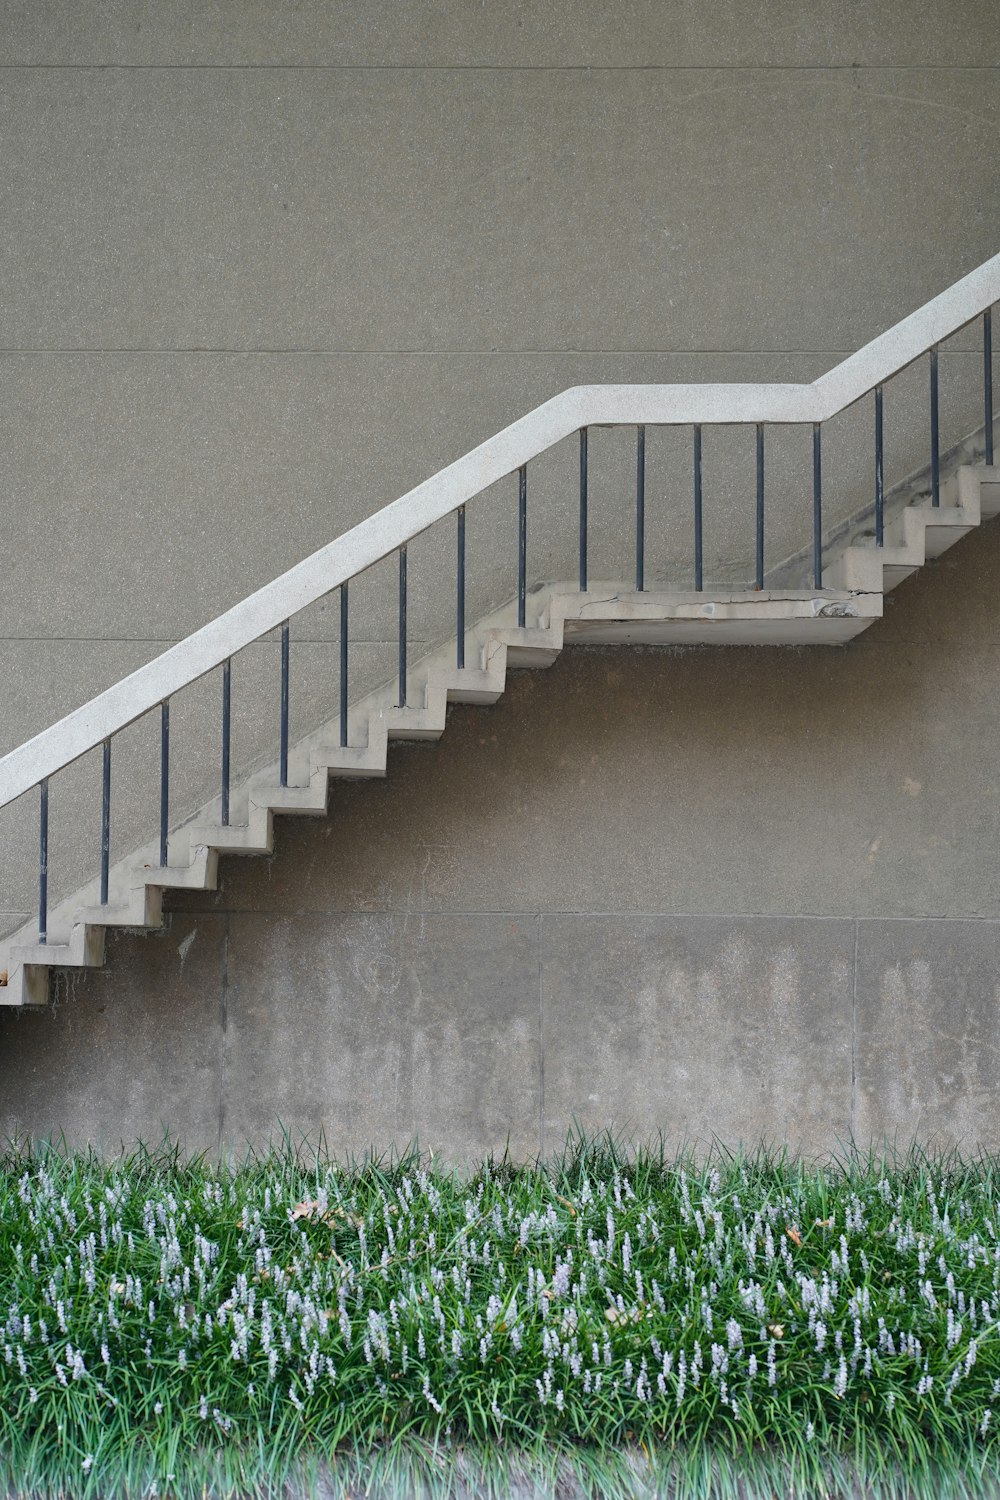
(607, 1323)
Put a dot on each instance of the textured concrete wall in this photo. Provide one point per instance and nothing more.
(741, 894)
(264, 268)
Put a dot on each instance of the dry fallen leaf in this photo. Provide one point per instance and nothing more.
(825, 1223)
(634, 1315)
(354, 1220)
(776, 1330)
(793, 1234)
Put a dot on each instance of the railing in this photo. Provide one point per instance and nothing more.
(332, 568)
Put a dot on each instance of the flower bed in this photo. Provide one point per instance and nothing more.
(165, 1327)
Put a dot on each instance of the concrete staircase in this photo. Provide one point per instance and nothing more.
(558, 615)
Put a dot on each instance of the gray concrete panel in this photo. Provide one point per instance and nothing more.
(698, 1027)
(380, 1030)
(123, 1056)
(927, 1055)
(480, 209)
(463, 1029)
(561, 33)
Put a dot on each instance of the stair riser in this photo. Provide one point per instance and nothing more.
(940, 538)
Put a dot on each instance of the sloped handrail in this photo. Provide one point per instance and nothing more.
(399, 522)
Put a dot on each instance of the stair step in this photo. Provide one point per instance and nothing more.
(84, 949)
(200, 875)
(147, 911)
(307, 801)
(231, 839)
(989, 490)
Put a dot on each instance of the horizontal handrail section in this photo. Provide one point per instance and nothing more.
(508, 451)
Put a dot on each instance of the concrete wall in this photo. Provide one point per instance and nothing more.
(741, 894)
(265, 267)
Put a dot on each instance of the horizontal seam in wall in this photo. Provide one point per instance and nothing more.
(283, 351)
(412, 911)
(984, 644)
(282, 67)
(981, 644)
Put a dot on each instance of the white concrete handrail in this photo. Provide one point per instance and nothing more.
(398, 523)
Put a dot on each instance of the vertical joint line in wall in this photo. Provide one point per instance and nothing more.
(223, 1023)
(854, 1030)
(541, 1045)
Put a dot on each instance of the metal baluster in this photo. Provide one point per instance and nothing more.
(697, 509)
(817, 507)
(226, 737)
(522, 542)
(285, 664)
(460, 623)
(105, 822)
(760, 505)
(935, 433)
(343, 664)
(879, 471)
(988, 380)
(43, 863)
(402, 627)
(583, 510)
(164, 778)
(640, 509)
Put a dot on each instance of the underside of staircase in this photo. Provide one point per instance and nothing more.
(557, 616)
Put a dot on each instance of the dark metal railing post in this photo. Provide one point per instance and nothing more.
(879, 471)
(817, 506)
(285, 664)
(164, 778)
(522, 543)
(43, 862)
(697, 509)
(988, 380)
(460, 605)
(402, 626)
(935, 433)
(640, 509)
(583, 510)
(226, 737)
(343, 664)
(760, 506)
(105, 822)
